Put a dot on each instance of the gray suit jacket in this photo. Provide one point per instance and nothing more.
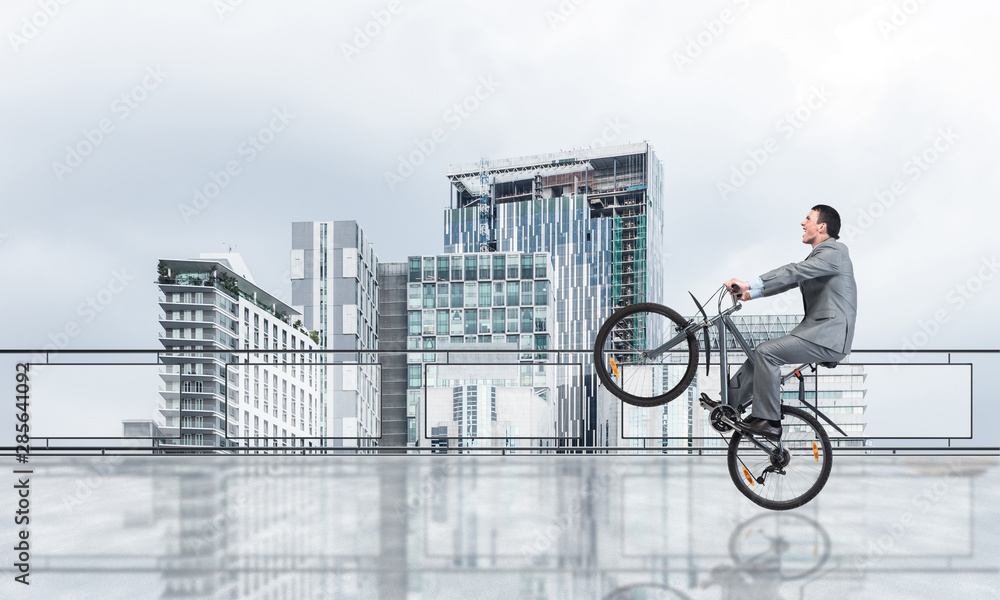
(829, 294)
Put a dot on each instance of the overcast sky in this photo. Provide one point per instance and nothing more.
(115, 112)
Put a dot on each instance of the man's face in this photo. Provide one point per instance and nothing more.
(813, 230)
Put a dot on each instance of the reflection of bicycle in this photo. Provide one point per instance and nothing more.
(768, 551)
(647, 354)
(787, 545)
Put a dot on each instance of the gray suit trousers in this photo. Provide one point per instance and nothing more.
(761, 378)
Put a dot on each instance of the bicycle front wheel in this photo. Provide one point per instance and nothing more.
(794, 478)
(642, 355)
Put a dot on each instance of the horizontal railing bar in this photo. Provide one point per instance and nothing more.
(172, 352)
(9, 451)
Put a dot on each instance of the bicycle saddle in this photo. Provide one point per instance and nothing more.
(828, 365)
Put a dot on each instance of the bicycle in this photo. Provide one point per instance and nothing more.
(647, 354)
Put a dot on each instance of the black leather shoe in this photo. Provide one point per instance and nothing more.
(708, 402)
(761, 427)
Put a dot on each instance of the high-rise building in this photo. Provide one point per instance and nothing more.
(214, 397)
(334, 281)
(457, 307)
(599, 214)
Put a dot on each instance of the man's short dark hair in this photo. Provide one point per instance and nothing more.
(830, 216)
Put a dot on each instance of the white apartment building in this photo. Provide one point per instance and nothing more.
(239, 370)
(334, 273)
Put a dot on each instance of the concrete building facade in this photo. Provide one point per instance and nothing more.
(334, 282)
(259, 399)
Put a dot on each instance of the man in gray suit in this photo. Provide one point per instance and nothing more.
(830, 297)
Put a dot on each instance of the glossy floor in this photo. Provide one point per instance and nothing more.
(539, 527)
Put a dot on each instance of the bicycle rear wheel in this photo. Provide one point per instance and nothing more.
(627, 366)
(800, 473)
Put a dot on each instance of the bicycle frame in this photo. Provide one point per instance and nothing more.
(724, 323)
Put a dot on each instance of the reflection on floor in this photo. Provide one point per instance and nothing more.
(531, 527)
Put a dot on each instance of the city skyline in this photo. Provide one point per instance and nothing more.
(886, 121)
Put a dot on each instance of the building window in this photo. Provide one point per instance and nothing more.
(541, 293)
(413, 317)
(541, 266)
(413, 296)
(527, 320)
(428, 296)
(470, 293)
(541, 320)
(498, 294)
(484, 267)
(526, 287)
(414, 270)
(470, 268)
(513, 293)
(442, 268)
(527, 266)
(456, 268)
(442, 295)
(511, 266)
(498, 267)
(484, 294)
(413, 376)
(498, 320)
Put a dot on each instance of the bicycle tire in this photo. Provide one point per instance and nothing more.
(794, 545)
(805, 442)
(649, 326)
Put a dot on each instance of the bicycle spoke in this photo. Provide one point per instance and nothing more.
(794, 478)
(624, 360)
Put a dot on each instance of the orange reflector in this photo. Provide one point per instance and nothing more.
(614, 366)
(747, 475)
(815, 451)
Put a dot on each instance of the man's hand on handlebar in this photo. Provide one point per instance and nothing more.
(739, 288)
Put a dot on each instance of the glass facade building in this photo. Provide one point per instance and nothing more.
(459, 304)
(598, 212)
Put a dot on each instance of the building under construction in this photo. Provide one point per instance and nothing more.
(598, 212)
